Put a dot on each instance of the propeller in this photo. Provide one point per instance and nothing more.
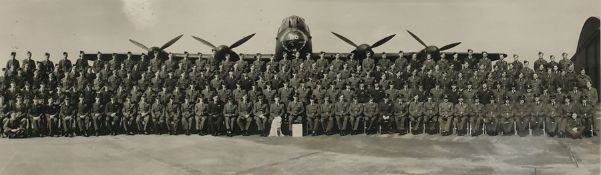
(222, 50)
(361, 50)
(156, 49)
(431, 49)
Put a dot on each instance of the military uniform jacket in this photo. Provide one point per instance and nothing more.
(341, 108)
(537, 109)
(82, 109)
(445, 109)
(113, 108)
(506, 110)
(144, 108)
(245, 108)
(130, 109)
(230, 109)
(461, 109)
(430, 108)
(313, 110)
(277, 109)
(327, 109)
(173, 110)
(157, 109)
(585, 109)
(296, 108)
(553, 110)
(385, 109)
(355, 109)
(415, 108)
(201, 109)
(521, 110)
(476, 109)
(187, 109)
(260, 108)
(370, 109)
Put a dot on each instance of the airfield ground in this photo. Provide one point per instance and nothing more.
(360, 154)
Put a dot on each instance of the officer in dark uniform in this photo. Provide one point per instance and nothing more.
(83, 117)
(386, 112)
(36, 113)
(327, 111)
(97, 115)
(216, 113)
(52, 116)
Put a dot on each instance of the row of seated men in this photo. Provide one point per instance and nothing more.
(467, 116)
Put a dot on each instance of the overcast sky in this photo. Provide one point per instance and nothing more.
(510, 26)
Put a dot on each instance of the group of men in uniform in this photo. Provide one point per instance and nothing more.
(327, 95)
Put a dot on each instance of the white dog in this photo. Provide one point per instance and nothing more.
(276, 127)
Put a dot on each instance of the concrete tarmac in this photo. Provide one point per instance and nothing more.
(360, 154)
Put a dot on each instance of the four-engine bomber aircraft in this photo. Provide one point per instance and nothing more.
(293, 38)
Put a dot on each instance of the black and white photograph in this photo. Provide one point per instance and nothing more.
(261, 87)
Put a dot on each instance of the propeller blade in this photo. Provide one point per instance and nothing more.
(139, 45)
(241, 41)
(382, 41)
(345, 39)
(204, 42)
(171, 42)
(449, 46)
(417, 38)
